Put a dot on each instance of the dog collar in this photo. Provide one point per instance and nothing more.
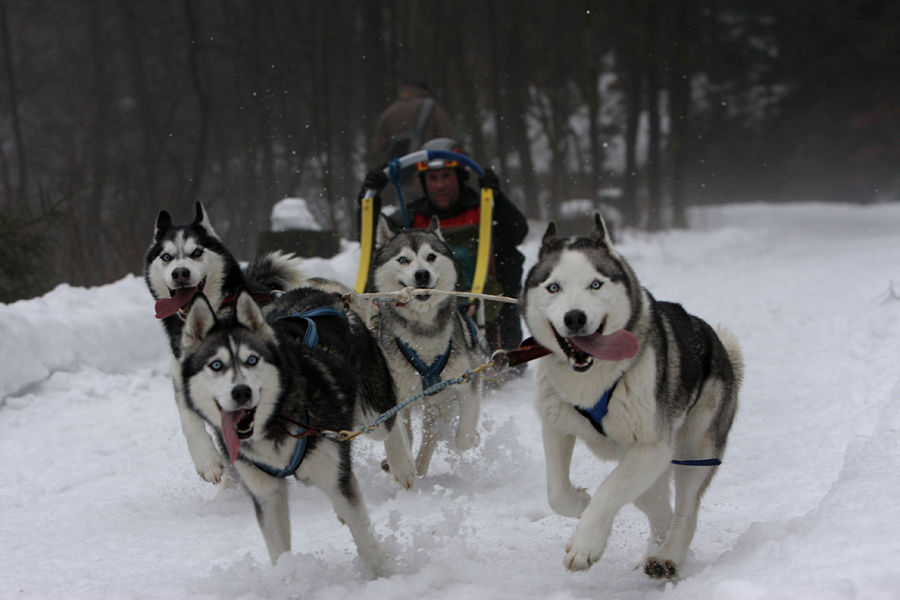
(431, 374)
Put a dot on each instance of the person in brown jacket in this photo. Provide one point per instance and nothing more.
(411, 120)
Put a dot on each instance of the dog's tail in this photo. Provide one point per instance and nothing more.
(276, 271)
(735, 354)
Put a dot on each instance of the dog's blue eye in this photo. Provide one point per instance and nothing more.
(553, 288)
(197, 253)
(166, 257)
(252, 360)
(402, 260)
(596, 284)
(216, 365)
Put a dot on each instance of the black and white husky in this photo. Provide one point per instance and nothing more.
(186, 259)
(262, 382)
(427, 339)
(639, 381)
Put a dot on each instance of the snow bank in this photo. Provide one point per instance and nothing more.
(110, 328)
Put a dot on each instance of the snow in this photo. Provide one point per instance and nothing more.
(293, 213)
(99, 499)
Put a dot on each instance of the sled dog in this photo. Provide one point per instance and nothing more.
(265, 382)
(186, 259)
(428, 339)
(639, 381)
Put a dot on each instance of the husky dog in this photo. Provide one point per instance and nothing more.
(427, 339)
(184, 260)
(640, 381)
(271, 385)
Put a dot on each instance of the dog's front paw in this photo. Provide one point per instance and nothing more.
(209, 464)
(571, 503)
(581, 553)
(405, 476)
(467, 441)
(658, 568)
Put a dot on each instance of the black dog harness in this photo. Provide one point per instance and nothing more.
(310, 340)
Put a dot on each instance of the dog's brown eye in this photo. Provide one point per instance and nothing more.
(431, 257)
(197, 253)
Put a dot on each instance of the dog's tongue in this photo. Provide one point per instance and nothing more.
(229, 432)
(167, 307)
(618, 345)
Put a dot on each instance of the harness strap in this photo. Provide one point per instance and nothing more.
(431, 374)
(598, 411)
(311, 337)
(310, 340)
(595, 415)
(299, 452)
(261, 298)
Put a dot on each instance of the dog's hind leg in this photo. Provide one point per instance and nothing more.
(641, 466)
(206, 457)
(656, 504)
(690, 483)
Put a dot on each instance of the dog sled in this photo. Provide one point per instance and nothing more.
(368, 221)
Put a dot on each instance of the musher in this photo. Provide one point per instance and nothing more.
(458, 207)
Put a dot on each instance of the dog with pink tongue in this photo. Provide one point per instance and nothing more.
(639, 381)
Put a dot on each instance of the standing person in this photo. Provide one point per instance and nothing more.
(458, 207)
(411, 120)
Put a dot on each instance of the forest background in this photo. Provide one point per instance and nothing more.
(112, 109)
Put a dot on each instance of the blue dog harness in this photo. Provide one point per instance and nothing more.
(596, 413)
(311, 341)
(431, 374)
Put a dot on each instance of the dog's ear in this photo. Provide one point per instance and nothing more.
(163, 222)
(600, 235)
(549, 238)
(385, 231)
(200, 320)
(434, 227)
(250, 316)
(201, 219)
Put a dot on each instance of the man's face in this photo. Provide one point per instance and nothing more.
(442, 186)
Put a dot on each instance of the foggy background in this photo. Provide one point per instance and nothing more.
(111, 110)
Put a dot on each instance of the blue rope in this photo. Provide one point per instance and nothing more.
(394, 170)
(467, 376)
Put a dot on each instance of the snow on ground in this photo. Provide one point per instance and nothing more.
(99, 499)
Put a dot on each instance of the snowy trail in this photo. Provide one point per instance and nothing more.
(98, 497)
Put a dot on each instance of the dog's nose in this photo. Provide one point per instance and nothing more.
(181, 275)
(575, 320)
(423, 276)
(242, 394)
